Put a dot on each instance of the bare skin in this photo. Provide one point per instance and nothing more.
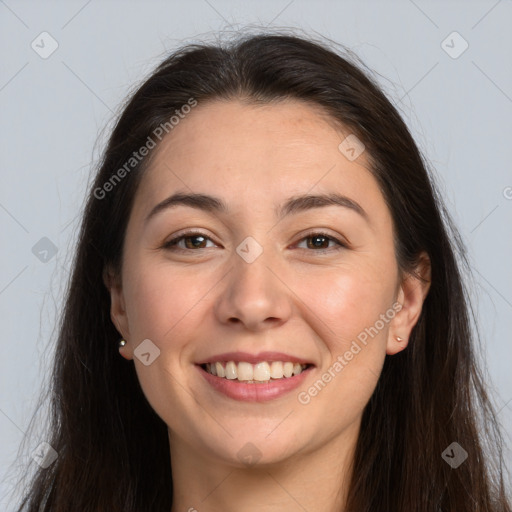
(295, 297)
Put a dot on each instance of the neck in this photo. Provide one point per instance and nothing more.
(312, 480)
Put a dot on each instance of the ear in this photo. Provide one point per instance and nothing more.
(117, 308)
(411, 295)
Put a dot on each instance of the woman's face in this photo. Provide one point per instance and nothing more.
(313, 280)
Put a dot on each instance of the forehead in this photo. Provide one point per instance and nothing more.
(254, 155)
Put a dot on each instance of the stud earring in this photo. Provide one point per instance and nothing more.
(122, 343)
(398, 338)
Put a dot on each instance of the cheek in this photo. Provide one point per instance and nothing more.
(351, 309)
(163, 306)
(347, 309)
(159, 299)
(347, 302)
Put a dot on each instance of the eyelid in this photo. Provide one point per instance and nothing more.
(341, 244)
(185, 234)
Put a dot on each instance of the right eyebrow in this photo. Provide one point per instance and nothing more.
(199, 201)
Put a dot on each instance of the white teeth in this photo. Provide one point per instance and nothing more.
(287, 369)
(231, 372)
(219, 370)
(276, 370)
(261, 372)
(244, 371)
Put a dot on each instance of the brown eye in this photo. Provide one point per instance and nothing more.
(319, 242)
(192, 241)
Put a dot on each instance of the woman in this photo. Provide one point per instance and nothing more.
(266, 311)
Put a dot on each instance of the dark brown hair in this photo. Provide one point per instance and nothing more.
(427, 397)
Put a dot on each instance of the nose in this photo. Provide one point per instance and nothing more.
(253, 296)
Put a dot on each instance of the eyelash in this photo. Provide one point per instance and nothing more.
(170, 245)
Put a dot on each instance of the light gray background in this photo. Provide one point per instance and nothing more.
(459, 110)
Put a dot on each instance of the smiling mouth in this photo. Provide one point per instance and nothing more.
(259, 373)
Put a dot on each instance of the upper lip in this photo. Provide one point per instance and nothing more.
(254, 358)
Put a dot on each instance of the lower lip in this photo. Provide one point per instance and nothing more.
(254, 392)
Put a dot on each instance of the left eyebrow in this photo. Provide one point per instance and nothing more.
(307, 202)
(292, 206)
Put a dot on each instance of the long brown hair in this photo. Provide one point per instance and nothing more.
(428, 396)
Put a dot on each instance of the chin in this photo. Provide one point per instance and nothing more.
(245, 451)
